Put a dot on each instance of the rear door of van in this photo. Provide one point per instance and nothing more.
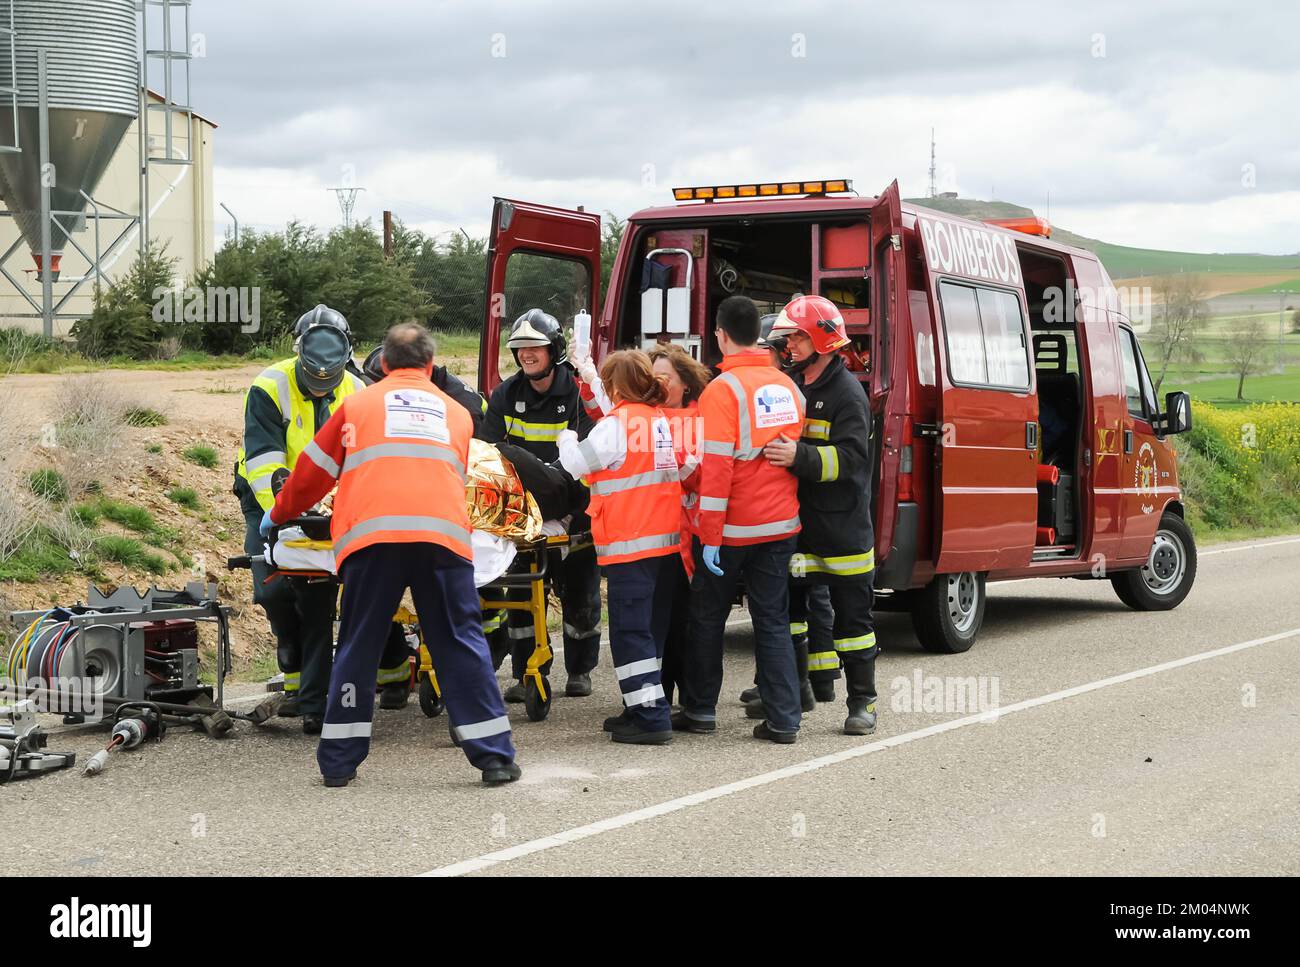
(987, 435)
(538, 256)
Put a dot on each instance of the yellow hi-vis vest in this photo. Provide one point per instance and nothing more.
(297, 416)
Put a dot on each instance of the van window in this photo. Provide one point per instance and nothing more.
(984, 329)
(1138, 394)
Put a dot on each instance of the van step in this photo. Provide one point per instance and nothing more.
(1057, 550)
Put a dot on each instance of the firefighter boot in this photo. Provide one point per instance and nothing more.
(824, 690)
(861, 676)
(394, 694)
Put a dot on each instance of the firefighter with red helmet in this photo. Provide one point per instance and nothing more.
(832, 461)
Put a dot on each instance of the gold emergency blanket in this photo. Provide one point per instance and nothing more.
(496, 498)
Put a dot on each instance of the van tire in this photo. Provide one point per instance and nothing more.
(947, 612)
(1166, 579)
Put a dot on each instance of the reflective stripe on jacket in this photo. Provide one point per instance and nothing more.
(636, 510)
(267, 448)
(743, 498)
(398, 451)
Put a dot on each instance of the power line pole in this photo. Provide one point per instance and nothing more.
(347, 201)
(934, 189)
(1281, 322)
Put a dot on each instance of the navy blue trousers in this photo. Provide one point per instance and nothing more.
(442, 585)
(640, 607)
(765, 568)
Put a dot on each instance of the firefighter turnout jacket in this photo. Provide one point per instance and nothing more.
(280, 419)
(398, 451)
(743, 498)
(455, 387)
(518, 414)
(834, 469)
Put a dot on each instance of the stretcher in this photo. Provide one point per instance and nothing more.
(301, 550)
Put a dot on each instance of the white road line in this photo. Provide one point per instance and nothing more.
(1247, 547)
(753, 782)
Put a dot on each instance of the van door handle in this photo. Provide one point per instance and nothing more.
(1031, 436)
(1128, 441)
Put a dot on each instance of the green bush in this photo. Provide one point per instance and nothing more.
(144, 416)
(40, 556)
(129, 516)
(87, 515)
(123, 321)
(186, 497)
(154, 448)
(49, 484)
(1239, 468)
(202, 454)
(130, 553)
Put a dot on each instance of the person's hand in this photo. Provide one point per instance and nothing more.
(710, 555)
(264, 528)
(566, 434)
(586, 368)
(780, 452)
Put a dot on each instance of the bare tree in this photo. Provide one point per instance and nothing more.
(1245, 351)
(1182, 314)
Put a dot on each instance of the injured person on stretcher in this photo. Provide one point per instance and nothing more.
(513, 498)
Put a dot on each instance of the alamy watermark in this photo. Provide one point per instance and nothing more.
(945, 693)
(224, 305)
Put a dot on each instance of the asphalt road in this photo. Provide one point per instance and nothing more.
(1122, 743)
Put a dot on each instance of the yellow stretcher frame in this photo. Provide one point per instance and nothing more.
(537, 690)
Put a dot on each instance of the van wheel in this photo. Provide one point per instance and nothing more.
(947, 612)
(1166, 578)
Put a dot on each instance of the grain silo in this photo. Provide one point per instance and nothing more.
(92, 87)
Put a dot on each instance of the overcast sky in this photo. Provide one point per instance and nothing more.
(1154, 124)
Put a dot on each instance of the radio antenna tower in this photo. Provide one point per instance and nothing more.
(347, 201)
(934, 189)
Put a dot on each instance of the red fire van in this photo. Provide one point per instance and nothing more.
(1016, 432)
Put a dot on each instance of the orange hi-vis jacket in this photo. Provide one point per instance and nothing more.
(636, 510)
(743, 498)
(397, 450)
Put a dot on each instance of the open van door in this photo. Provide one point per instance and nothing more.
(889, 298)
(537, 256)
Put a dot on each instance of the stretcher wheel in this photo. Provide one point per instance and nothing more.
(431, 703)
(537, 707)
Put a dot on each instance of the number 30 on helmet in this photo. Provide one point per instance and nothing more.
(817, 318)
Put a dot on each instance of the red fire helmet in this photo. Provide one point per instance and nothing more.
(817, 318)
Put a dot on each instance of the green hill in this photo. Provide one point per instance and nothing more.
(1124, 261)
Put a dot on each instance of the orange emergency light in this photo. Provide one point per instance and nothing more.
(774, 189)
(1026, 226)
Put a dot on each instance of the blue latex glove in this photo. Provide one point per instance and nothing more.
(264, 528)
(710, 556)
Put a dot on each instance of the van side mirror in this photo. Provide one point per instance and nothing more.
(1177, 417)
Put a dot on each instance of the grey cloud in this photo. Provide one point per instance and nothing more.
(595, 90)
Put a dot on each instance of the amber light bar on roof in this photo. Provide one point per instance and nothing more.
(773, 189)
(1029, 226)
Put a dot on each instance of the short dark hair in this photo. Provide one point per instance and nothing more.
(738, 318)
(408, 345)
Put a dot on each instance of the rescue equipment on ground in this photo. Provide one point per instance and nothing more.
(145, 722)
(22, 744)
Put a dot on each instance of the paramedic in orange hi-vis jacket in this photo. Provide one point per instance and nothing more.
(748, 521)
(398, 450)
